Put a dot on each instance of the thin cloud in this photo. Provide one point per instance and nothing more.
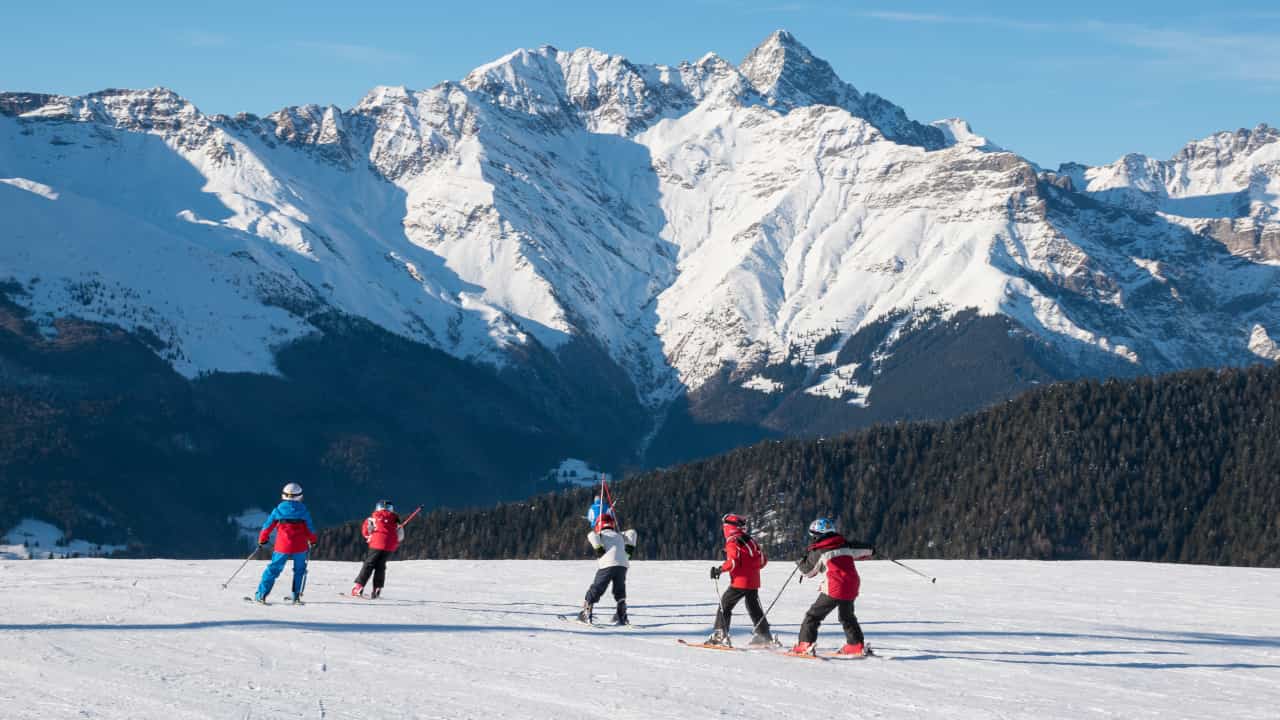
(1253, 56)
(364, 54)
(204, 39)
(941, 19)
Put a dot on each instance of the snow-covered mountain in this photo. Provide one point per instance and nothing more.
(760, 244)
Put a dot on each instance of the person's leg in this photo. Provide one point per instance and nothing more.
(818, 612)
(366, 568)
(380, 570)
(299, 573)
(598, 586)
(724, 612)
(269, 575)
(620, 595)
(759, 623)
(852, 630)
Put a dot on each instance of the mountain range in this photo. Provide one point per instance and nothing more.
(444, 292)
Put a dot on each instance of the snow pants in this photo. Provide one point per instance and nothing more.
(375, 563)
(818, 612)
(276, 566)
(616, 575)
(724, 615)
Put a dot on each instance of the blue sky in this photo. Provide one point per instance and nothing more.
(1086, 81)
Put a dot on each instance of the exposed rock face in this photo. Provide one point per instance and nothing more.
(718, 234)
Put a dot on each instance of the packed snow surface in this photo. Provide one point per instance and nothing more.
(464, 639)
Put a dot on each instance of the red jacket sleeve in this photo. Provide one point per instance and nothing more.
(730, 557)
(366, 528)
(265, 535)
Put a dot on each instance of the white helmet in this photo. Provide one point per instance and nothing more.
(292, 491)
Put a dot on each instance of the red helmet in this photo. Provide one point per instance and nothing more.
(606, 521)
(734, 525)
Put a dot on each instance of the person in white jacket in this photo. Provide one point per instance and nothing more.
(613, 552)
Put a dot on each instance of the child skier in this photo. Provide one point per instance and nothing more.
(613, 553)
(294, 537)
(743, 560)
(829, 551)
(384, 533)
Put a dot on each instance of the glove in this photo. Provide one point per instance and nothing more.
(599, 552)
(715, 572)
(262, 544)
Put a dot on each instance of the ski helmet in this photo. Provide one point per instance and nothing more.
(734, 525)
(606, 521)
(385, 505)
(292, 491)
(821, 526)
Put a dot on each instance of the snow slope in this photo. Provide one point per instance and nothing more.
(459, 639)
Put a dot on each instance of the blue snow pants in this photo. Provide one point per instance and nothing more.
(276, 566)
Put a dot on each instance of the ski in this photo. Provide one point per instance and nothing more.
(290, 600)
(806, 656)
(708, 646)
(870, 655)
(254, 601)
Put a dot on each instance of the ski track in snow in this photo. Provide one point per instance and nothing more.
(468, 639)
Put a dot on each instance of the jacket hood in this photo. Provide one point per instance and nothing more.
(387, 515)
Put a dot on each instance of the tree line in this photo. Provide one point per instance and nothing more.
(1179, 468)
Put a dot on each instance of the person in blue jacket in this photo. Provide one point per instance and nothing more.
(295, 537)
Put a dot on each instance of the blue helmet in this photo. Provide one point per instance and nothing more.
(385, 505)
(821, 526)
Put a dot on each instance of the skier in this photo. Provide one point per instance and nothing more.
(384, 533)
(743, 560)
(598, 507)
(613, 553)
(829, 551)
(294, 538)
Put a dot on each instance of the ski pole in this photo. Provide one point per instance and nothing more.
(908, 567)
(237, 572)
(720, 604)
(412, 515)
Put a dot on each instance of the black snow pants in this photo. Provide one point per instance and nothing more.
(376, 563)
(724, 614)
(604, 576)
(820, 609)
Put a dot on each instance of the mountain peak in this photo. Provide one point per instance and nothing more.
(782, 69)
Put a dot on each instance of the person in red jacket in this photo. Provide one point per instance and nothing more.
(829, 551)
(383, 531)
(743, 560)
(295, 535)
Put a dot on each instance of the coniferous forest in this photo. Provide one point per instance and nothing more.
(1180, 468)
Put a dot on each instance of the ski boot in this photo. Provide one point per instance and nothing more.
(854, 650)
(357, 590)
(763, 639)
(377, 593)
(260, 599)
(585, 615)
(803, 648)
(620, 614)
(720, 637)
